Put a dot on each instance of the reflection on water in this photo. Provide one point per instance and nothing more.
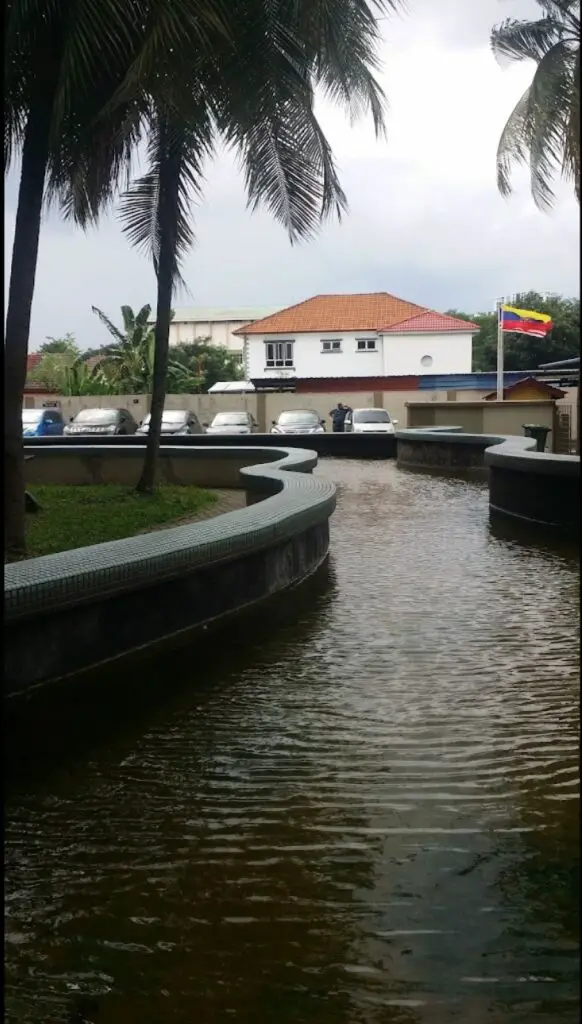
(370, 819)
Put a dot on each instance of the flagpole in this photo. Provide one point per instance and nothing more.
(499, 351)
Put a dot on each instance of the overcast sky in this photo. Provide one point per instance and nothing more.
(426, 221)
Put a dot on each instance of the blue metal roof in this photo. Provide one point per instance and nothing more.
(469, 381)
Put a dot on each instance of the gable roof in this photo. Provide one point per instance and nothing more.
(327, 313)
(431, 321)
(531, 382)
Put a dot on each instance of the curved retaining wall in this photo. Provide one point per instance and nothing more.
(339, 446)
(526, 486)
(73, 610)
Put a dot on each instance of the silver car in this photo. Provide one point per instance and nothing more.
(102, 421)
(298, 421)
(369, 421)
(174, 421)
(232, 423)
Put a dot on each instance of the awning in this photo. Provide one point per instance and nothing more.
(233, 387)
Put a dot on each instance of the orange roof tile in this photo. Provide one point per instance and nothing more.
(327, 313)
(430, 321)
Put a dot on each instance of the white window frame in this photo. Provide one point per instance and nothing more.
(280, 355)
(331, 346)
(371, 344)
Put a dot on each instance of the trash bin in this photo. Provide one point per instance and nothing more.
(538, 432)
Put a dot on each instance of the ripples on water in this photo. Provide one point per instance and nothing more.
(372, 820)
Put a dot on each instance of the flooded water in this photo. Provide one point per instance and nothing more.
(369, 816)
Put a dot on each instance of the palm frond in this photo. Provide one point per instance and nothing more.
(525, 40)
(117, 334)
(544, 127)
(176, 155)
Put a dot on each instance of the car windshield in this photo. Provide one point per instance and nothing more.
(30, 417)
(97, 417)
(371, 416)
(230, 419)
(298, 418)
(172, 418)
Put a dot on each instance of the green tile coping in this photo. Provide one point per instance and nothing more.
(509, 451)
(297, 502)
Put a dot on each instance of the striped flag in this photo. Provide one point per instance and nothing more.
(524, 321)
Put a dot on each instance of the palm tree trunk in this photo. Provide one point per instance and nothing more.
(20, 294)
(169, 176)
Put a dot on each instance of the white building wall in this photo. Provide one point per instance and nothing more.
(394, 355)
(407, 354)
(219, 332)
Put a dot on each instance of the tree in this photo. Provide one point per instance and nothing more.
(65, 345)
(258, 96)
(521, 351)
(544, 127)
(128, 362)
(204, 362)
(64, 61)
(69, 375)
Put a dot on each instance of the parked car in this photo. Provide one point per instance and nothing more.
(232, 423)
(369, 421)
(174, 421)
(102, 421)
(42, 423)
(298, 421)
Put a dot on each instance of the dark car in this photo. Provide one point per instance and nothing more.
(102, 421)
(298, 421)
(174, 421)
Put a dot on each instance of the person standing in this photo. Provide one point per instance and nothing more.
(338, 416)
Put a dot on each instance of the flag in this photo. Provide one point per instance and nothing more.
(525, 321)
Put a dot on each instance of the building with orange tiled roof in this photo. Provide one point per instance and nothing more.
(348, 338)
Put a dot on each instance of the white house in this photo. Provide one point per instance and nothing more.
(353, 337)
(216, 324)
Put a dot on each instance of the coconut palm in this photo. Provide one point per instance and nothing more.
(256, 94)
(63, 62)
(544, 127)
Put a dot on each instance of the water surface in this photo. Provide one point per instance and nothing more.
(368, 817)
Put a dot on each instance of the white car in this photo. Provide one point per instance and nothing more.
(369, 421)
(298, 421)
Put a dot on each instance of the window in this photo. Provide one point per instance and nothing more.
(279, 353)
(426, 361)
(237, 357)
(365, 345)
(334, 345)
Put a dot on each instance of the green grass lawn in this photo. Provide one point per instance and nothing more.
(71, 517)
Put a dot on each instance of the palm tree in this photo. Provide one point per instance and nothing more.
(544, 127)
(257, 96)
(64, 60)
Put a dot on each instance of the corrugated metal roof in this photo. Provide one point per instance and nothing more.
(469, 381)
(220, 314)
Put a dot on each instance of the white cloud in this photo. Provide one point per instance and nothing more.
(426, 220)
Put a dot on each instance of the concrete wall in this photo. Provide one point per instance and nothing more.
(266, 407)
(68, 612)
(481, 417)
(527, 489)
(393, 354)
